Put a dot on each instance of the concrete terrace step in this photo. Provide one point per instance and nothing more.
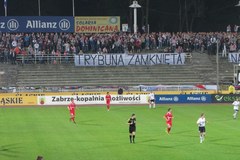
(111, 83)
(104, 69)
(202, 69)
(107, 79)
(103, 72)
(107, 75)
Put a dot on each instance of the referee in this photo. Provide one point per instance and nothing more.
(132, 128)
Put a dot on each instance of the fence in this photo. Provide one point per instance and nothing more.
(36, 59)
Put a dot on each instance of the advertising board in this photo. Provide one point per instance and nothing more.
(92, 99)
(29, 24)
(165, 99)
(224, 98)
(17, 100)
(97, 24)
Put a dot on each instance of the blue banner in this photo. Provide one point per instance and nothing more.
(36, 24)
(166, 99)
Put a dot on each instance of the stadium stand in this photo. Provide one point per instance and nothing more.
(48, 75)
(45, 71)
(200, 70)
(8, 75)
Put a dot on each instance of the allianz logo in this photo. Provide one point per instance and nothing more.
(189, 98)
(202, 98)
(175, 99)
(13, 24)
(63, 24)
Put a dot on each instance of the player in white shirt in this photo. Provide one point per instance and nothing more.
(235, 104)
(201, 122)
(151, 100)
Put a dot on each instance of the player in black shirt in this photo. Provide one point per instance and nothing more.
(132, 128)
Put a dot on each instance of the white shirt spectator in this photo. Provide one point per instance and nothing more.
(224, 51)
(228, 28)
(36, 45)
(14, 43)
(236, 28)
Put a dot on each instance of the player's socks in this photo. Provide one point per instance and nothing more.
(154, 106)
(74, 120)
(235, 115)
(130, 137)
(201, 139)
(133, 138)
(168, 130)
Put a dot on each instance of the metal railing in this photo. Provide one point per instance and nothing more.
(45, 59)
(37, 59)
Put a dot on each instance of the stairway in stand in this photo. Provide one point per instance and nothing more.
(204, 67)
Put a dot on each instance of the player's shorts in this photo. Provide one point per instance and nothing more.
(152, 100)
(202, 129)
(169, 124)
(72, 113)
(132, 129)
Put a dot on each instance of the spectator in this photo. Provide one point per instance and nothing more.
(228, 28)
(233, 47)
(74, 43)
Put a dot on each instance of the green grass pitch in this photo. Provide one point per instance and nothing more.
(27, 132)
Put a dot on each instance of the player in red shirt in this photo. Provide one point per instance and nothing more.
(168, 116)
(71, 108)
(108, 100)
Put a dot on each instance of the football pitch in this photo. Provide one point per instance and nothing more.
(27, 132)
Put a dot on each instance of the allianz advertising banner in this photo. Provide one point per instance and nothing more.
(166, 99)
(224, 98)
(36, 24)
(97, 24)
(129, 59)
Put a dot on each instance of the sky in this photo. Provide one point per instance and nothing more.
(164, 15)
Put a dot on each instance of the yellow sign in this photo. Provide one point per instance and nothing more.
(11, 100)
(97, 24)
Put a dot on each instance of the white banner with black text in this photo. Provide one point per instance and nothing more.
(112, 59)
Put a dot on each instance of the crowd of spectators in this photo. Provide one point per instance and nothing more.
(48, 47)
